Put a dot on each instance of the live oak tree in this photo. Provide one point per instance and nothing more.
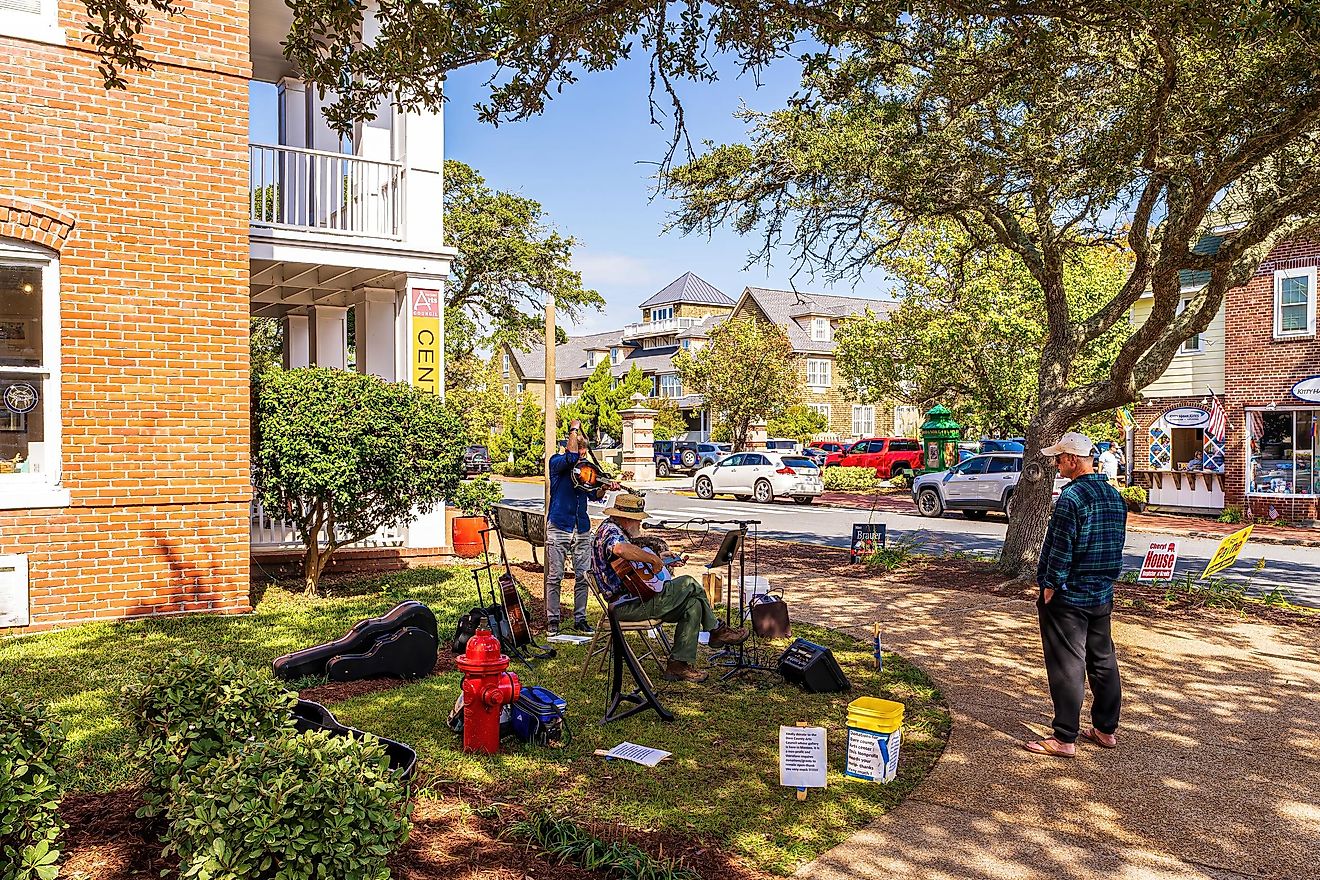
(340, 455)
(746, 373)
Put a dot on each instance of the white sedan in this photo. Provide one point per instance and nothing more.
(761, 475)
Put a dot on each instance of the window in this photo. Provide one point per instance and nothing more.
(506, 389)
(521, 388)
(614, 355)
(972, 467)
(1003, 465)
(905, 420)
(1192, 345)
(1281, 452)
(506, 357)
(732, 461)
(820, 329)
(593, 358)
(904, 446)
(1188, 448)
(823, 408)
(31, 20)
(1294, 303)
(29, 378)
(686, 344)
(656, 314)
(818, 373)
(863, 420)
(671, 386)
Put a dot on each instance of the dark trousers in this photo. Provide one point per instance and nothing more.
(1078, 648)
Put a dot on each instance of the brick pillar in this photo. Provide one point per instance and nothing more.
(638, 450)
(757, 435)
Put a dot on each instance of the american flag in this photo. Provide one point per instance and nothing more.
(1218, 426)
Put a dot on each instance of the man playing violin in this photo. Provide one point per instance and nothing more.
(568, 531)
(681, 600)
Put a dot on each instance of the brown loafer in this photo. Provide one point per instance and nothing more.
(677, 670)
(722, 636)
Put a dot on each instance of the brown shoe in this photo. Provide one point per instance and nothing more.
(677, 670)
(722, 636)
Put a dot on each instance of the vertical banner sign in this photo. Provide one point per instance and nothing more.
(1227, 554)
(425, 364)
(1160, 561)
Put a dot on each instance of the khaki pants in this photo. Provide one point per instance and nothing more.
(683, 602)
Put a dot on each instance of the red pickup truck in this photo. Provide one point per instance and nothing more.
(889, 456)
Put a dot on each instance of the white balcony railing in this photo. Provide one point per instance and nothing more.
(659, 328)
(294, 188)
(269, 533)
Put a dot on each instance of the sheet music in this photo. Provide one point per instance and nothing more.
(644, 755)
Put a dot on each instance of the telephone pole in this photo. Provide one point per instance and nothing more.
(551, 426)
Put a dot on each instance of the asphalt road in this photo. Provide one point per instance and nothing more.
(1294, 569)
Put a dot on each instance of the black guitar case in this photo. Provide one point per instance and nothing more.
(313, 716)
(406, 653)
(359, 640)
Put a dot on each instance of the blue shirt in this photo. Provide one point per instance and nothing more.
(568, 503)
(1083, 549)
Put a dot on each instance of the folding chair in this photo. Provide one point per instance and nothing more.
(649, 631)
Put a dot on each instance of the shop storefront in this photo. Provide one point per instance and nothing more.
(1184, 466)
(1281, 446)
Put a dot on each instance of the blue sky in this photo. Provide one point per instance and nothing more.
(589, 160)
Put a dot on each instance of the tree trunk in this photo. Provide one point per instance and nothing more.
(1031, 500)
(312, 565)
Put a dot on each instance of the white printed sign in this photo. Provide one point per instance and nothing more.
(873, 755)
(1160, 561)
(644, 755)
(802, 757)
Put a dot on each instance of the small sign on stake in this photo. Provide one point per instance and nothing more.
(1160, 561)
(1227, 554)
(866, 539)
(802, 762)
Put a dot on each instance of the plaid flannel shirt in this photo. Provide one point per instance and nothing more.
(1083, 549)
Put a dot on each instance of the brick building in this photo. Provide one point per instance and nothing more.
(1260, 355)
(139, 230)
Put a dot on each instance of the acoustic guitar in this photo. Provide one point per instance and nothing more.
(634, 582)
(517, 615)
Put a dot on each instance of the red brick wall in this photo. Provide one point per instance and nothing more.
(1260, 370)
(144, 194)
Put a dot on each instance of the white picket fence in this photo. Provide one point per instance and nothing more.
(269, 533)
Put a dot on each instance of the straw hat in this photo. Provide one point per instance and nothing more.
(628, 506)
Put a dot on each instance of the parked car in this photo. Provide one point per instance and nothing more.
(1011, 444)
(974, 487)
(476, 460)
(763, 476)
(888, 456)
(683, 455)
(783, 445)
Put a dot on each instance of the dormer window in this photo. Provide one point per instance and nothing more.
(615, 355)
(820, 329)
(663, 314)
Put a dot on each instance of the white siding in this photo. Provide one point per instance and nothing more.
(1190, 373)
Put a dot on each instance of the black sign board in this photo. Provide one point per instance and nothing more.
(866, 539)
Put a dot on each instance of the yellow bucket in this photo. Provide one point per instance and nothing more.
(872, 713)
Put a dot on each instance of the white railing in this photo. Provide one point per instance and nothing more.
(659, 328)
(294, 188)
(566, 399)
(269, 533)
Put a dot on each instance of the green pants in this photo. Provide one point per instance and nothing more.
(682, 602)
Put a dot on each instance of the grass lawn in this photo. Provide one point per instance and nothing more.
(720, 787)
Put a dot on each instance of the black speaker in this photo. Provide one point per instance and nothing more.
(812, 667)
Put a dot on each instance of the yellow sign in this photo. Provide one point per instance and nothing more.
(425, 364)
(1228, 551)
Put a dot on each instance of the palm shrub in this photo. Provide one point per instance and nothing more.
(192, 708)
(291, 807)
(32, 779)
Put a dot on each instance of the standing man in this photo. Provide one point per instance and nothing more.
(568, 531)
(1109, 464)
(1081, 557)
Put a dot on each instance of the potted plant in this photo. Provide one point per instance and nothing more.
(1136, 498)
(475, 498)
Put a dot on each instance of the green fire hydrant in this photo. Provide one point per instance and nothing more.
(939, 440)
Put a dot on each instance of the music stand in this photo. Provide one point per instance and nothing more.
(736, 658)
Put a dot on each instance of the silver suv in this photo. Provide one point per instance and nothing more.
(976, 486)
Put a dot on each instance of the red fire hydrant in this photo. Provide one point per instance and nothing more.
(487, 688)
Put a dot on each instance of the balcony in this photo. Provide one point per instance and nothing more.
(312, 190)
(665, 327)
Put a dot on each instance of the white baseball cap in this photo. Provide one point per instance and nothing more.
(1071, 443)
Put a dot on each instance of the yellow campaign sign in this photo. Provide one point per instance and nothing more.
(425, 367)
(1228, 551)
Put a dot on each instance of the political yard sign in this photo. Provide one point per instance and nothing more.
(1160, 561)
(1227, 554)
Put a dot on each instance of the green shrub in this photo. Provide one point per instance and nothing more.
(32, 778)
(901, 480)
(291, 807)
(566, 842)
(850, 479)
(1232, 514)
(477, 497)
(1134, 494)
(193, 708)
(896, 552)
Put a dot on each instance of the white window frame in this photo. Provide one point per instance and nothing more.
(521, 387)
(824, 409)
(821, 330)
(31, 491)
(1187, 346)
(824, 373)
(506, 365)
(42, 26)
(1292, 411)
(662, 314)
(614, 355)
(671, 389)
(1280, 275)
(868, 418)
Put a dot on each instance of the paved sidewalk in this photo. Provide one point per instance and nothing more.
(1217, 774)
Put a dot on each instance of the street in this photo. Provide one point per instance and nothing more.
(1295, 569)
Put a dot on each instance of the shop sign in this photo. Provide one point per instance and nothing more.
(20, 398)
(1186, 417)
(426, 339)
(1308, 390)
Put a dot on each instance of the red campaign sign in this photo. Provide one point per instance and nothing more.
(1160, 561)
(425, 303)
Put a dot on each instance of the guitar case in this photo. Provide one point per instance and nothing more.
(358, 640)
(308, 715)
(407, 653)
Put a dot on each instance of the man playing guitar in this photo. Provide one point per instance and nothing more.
(681, 600)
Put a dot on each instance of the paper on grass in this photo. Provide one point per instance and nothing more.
(644, 755)
(568, 639)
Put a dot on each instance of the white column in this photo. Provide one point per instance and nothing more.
(292, 103)
(375, 336)
(297, 341)
(330, 336)
(422, 140)
(423, 319)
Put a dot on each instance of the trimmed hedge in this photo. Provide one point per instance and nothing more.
(32, 778)
(293, 807)
(193, 708)
(850, 479)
